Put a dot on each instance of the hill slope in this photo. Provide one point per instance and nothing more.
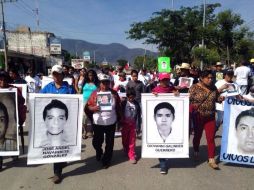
(110, 52)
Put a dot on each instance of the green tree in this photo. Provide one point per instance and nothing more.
(146, 62)
(227, 24)
(122, 62)
(174, 32)
(178, 35)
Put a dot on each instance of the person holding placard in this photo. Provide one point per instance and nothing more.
(58, 86)
(104, 117)
(163, 110)
(5, 83)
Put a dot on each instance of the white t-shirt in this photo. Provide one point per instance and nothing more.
(31, 84)
(242, 73)
(144, 78)
(120, 83)
(224, 93)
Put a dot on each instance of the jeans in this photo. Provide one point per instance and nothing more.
(163, 163)
(219, 118)
(98, 139)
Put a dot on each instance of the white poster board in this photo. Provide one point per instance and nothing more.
(237, 144)
(165, 126)
(9, 144)
(77, 63)
(56, 128)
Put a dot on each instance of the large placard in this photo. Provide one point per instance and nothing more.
(56, 127)
(237, 145)
(9, 144)
(165, 126)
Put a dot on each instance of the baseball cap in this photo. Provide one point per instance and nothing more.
(57, 69)
(103, 77)
(164, 76)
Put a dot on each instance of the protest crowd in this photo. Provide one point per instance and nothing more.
(112, 105)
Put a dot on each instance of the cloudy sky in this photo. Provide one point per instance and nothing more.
(103, 21)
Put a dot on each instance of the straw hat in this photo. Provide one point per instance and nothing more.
(185, 66)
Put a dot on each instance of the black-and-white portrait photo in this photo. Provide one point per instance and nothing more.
(237, 143)
(163, 122)
(244, 129)
(8, 123)
(55, 134)
(164, 115)
(165, 132)
(54, 122)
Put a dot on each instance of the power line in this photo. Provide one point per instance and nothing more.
(24, 10)
(27, 5)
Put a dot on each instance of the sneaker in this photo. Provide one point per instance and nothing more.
(212, 164)
(133, 161)
(163, 171)
(56, 179)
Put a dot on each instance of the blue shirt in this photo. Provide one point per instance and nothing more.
(51, 89)
(87, 91)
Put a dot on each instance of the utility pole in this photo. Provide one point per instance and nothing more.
(203, 43)
(37, 15)
(4, 34)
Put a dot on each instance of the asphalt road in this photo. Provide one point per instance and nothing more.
(88, 173)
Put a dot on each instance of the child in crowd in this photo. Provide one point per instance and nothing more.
(131, 113)
(165, 86)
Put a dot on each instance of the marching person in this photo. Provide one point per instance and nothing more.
(203, 97)
(131, 115)
(104, 122)
(58, 86)
(164, 87)
(223, 87)
(243, 74)
(91, 83)
(5, 83)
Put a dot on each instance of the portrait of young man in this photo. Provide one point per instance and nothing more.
(244, 130)
(164, 115)
(8, 125)
(162, 123)
(55, 116)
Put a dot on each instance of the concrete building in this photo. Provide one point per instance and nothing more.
(28, 49)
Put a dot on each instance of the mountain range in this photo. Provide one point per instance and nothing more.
(103, 52)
